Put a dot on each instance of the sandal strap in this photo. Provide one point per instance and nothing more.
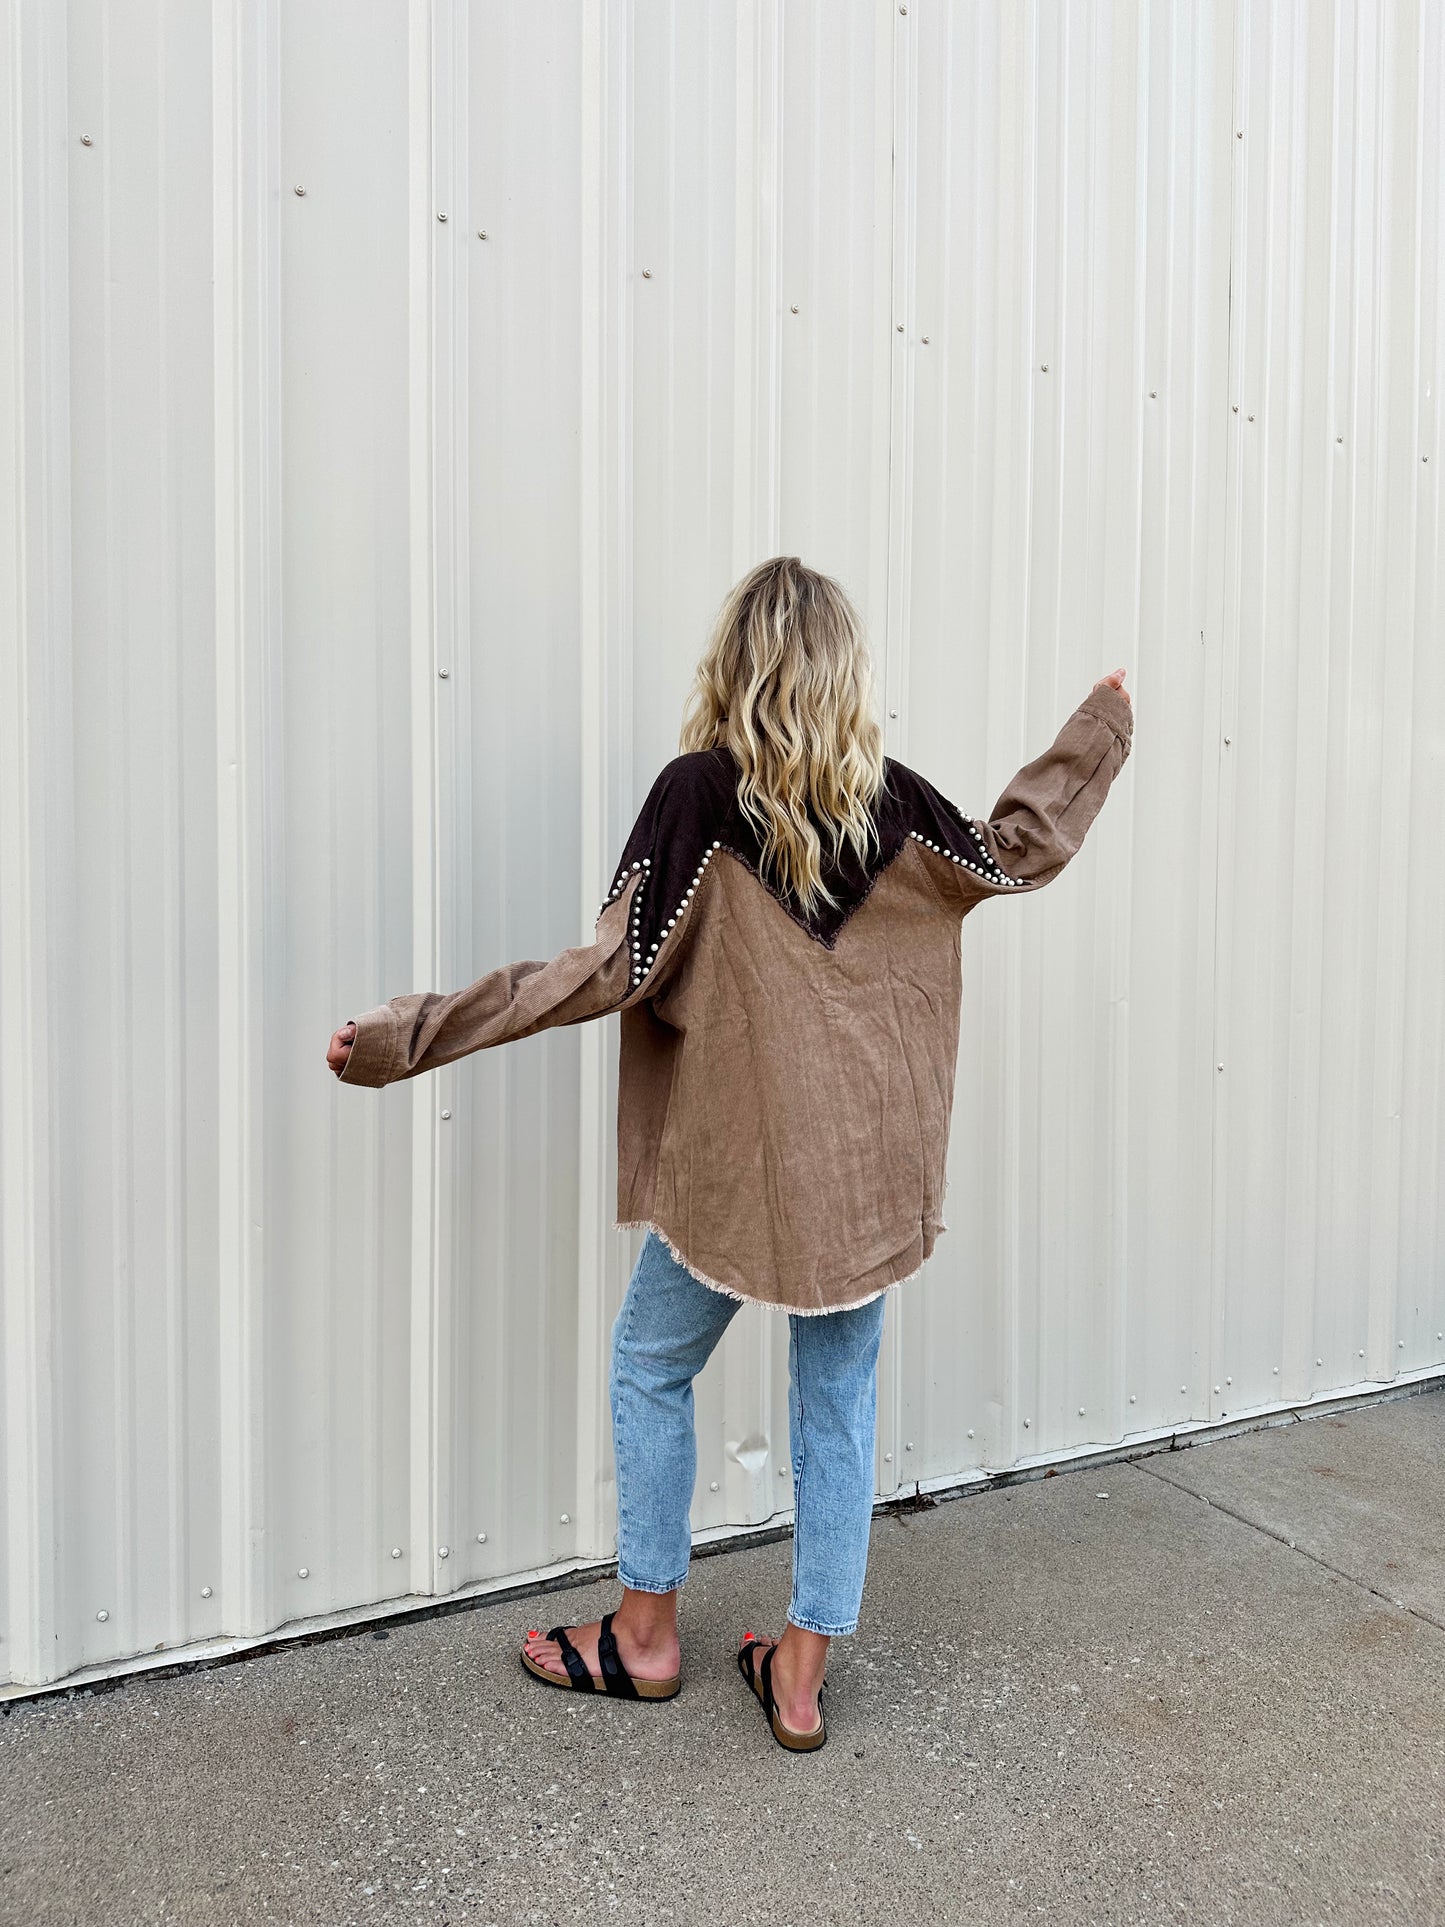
(770, 1705)
(615, 1677)
(577, 1669)
(746, 1667)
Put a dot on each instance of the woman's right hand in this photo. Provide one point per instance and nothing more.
(339, 1051)
(1115, 680)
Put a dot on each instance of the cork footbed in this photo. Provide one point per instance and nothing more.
(647, 1689)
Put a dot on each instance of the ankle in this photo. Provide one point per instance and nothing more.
(803, 1657)
(647, 1619)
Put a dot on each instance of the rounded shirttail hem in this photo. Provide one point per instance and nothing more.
(746, 1298)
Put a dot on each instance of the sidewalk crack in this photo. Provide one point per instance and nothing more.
(1268, 1532)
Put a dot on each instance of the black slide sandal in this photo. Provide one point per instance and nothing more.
(614, 1679)
(759, 1679)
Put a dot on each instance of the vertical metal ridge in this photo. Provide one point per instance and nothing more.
(605, 524)
(34, 770)
(247, 504)
(757, 293)
(451, 645)
(1390, 863)
(426, 757)
(898, 54)
(172, 1567)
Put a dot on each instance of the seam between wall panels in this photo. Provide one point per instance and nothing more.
(903, 31)
(1227, 657)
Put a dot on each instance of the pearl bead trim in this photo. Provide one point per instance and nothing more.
(990, 874)
(639, 969)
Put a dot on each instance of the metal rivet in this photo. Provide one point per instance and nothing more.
(86, 141)
(444, 1552)
(1339, 438)
(102, 1615)
(1359, 1354)
(1133, 1400)
(1226, 742)
(782, 1472)
(304, 1572)
(1026, 1425)
(566, 1519)
(793, 309)
(1319, 1361)
(1044, 367)
(396, 1552)
(647, 274)
(713, 1486)
(205, 1592)
(1275, 1370)
(1236, 408)
(1229, 1381)
(1251, 418)
(1184, 1388)
(900, 327)
(1402, 1344)
(481, 234)
(909, 1446)
(1081, 1411)
(444, 672)
(481, 1538)
(1239, 136)
(298, 190)
(441, 217)
(925, 341)
(970, 1431)
(1216, 1391)
(1153, 394)
(1219, 1067)
(445, 1116)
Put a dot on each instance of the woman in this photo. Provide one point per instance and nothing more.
(782, 942)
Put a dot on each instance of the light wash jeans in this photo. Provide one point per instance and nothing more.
(664, 1335)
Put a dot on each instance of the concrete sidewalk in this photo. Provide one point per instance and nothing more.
(1215, 1696)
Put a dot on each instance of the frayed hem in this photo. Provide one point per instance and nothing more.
(745, 1298)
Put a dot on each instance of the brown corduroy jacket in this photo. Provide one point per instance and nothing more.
(785, 1084)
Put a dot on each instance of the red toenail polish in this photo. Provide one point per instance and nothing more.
(534, 1634)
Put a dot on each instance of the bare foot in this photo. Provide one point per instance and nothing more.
(796, 1676)
(647, 1644)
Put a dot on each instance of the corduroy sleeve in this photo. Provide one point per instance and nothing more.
(425, 1029)
(1041, 819)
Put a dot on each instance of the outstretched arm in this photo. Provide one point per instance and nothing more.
(425, 1029)
(1040, 820)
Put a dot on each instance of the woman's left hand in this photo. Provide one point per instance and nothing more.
(339, 1053)
(1115, 680)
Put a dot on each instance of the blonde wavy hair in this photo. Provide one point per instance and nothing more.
(786, 682)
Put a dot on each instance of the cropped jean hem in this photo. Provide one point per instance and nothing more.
(826, 1632)
(649, 1585)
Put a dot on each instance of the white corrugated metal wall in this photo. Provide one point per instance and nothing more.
(391, 400)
